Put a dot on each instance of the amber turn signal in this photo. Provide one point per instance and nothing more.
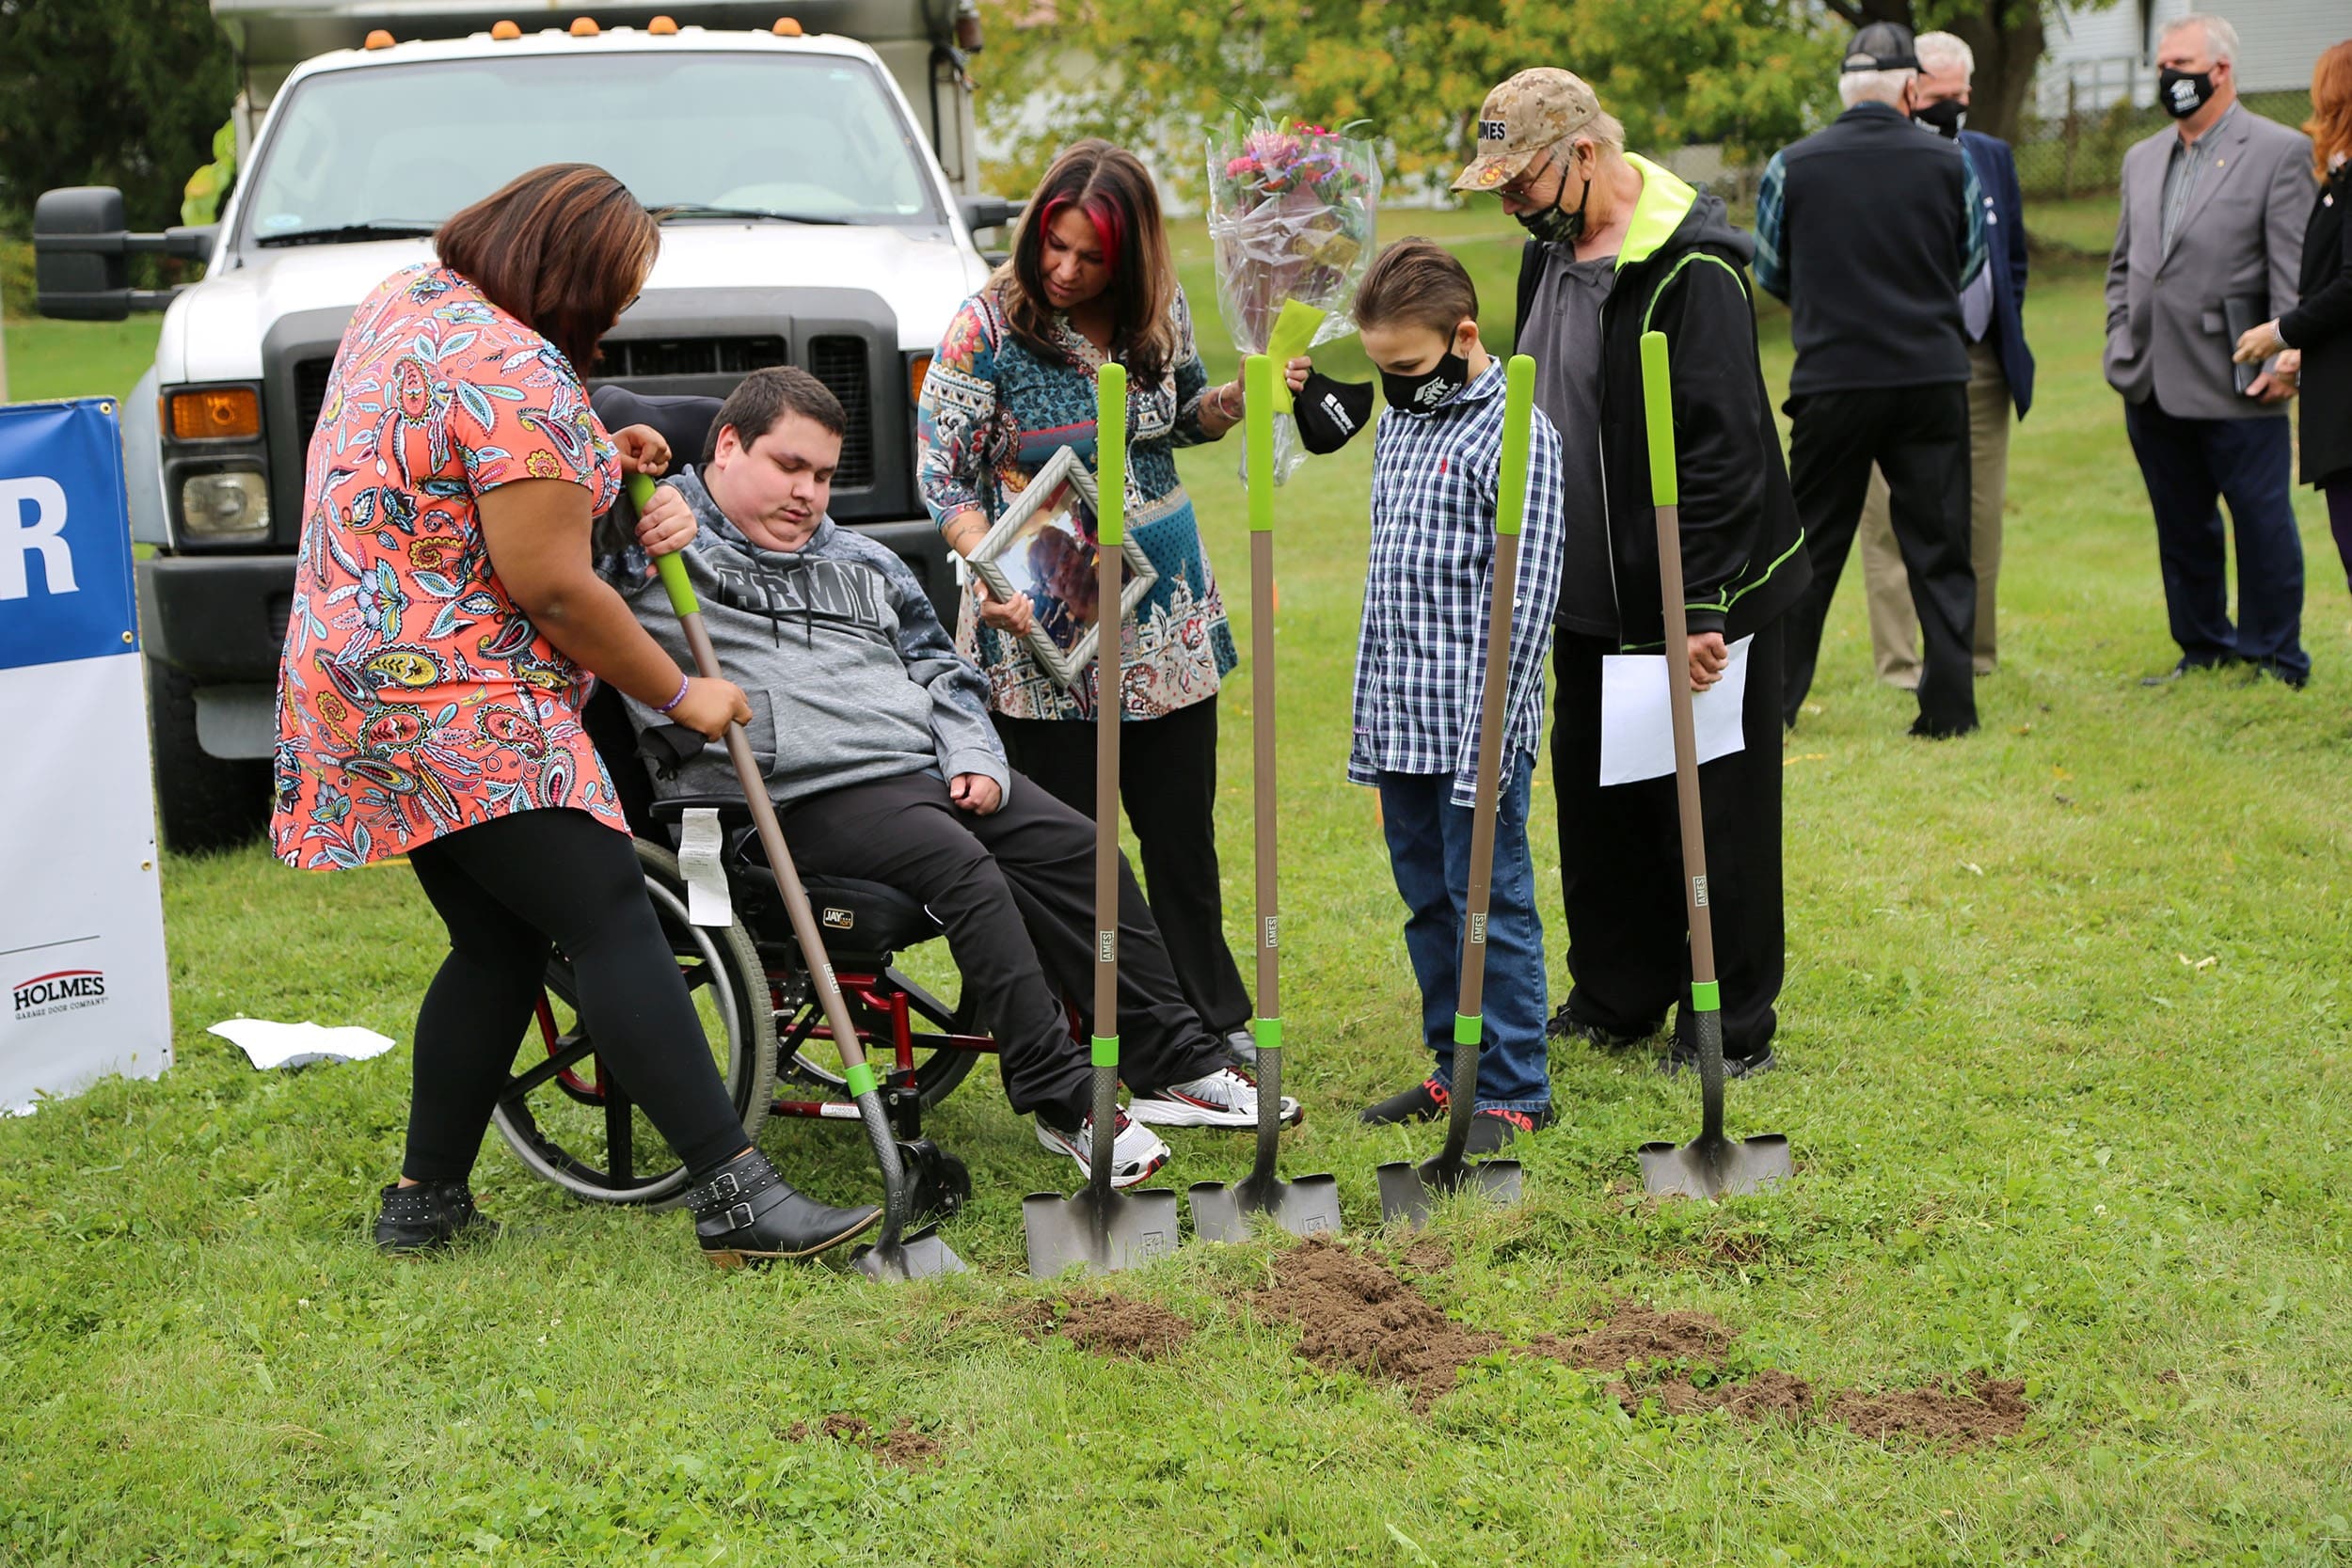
(225, 413)
(919, 367)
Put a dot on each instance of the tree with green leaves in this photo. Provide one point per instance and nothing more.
(109, 92)
(1153, 74)
(2006, 36)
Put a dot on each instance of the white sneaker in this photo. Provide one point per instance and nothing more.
(1226, 1097)
(1135, 1151)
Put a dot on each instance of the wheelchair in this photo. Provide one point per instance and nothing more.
(571, 1124)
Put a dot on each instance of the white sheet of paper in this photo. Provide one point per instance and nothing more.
(275, 1045)
(1637, 736)
(700, 850)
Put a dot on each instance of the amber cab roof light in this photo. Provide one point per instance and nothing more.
(662, 25)
(786, 27)
(379, 39)
(505, 32)
(584, 28)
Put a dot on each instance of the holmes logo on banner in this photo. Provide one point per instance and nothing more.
(82, 923)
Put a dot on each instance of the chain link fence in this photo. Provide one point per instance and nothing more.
(2080, 151)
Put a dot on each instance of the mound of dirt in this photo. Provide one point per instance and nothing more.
(907, 1448)
(840, 1426)
(1124, 1327)
(1984, 1410)
(1632, 1333)
(904, 1447)
(1770, 1395)
(1353, 1313)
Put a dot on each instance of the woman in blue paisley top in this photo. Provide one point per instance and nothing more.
(1090, 282)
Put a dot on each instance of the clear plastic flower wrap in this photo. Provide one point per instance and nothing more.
(1291, 213)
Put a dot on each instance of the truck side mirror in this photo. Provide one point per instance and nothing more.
(987, 212)
(80, 270)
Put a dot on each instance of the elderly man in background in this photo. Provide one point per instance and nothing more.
(2209, 243)
(1617, 245)
(1870, 229)
(2000, 376)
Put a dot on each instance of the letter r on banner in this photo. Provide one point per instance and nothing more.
(46, 498)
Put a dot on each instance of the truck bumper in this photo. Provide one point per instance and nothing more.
(218, 619)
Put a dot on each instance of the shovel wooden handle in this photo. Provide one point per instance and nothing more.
(1110, 532)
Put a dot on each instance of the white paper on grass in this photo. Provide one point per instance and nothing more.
(275, 1045)
(700, 860)
(1637, 737)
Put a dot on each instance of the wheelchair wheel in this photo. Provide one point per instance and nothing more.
(815, 1063)
(570, 1122)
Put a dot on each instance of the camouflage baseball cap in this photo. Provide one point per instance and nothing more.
(1533, 110)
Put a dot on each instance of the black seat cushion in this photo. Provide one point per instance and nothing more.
(869, 921)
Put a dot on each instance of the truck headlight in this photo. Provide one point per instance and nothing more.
(225, 505)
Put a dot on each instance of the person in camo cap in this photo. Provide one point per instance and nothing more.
(1618, 246)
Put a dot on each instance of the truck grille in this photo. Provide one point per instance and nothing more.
(840, 363)
(629, 358)
(310, 377)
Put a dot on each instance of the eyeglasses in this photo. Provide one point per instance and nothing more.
(1523, 187)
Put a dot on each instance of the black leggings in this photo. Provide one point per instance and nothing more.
(507, 888)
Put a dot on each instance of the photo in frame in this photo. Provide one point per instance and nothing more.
(1044, 545)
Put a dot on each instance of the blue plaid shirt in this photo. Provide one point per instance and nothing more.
(1420, 663)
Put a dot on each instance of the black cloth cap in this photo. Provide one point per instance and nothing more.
(1881, 46)
(1330, 412)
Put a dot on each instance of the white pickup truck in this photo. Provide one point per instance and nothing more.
(815, 157)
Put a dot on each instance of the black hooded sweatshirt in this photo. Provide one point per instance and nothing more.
(1682, 273)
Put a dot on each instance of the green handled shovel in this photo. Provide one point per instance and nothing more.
(1311, 1203)
(1407, 1191)
(1104, 1229)
(1710, 1166)
(896, 1254)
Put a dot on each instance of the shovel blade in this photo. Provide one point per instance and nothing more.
(1407, 1191)
(1716, 1167)
(1103, 1233)
(918, 1255)
(1307, 1206)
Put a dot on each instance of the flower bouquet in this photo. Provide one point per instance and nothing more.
(1290, 210)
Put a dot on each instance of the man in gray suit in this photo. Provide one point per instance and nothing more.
(2212, 229)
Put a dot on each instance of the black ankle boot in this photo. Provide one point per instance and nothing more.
(430, 1215)
(747, 1214)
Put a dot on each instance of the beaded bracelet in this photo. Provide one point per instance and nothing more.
(674, 702)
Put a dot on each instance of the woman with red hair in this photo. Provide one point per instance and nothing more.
(1090, 282)
(2314, 339)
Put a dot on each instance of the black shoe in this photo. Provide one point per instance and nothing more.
(429, 1216)
(1926, 729)
(1564, 1025)
(2287, 678)
(747, 1214)
(1493, 1129)
(1679, 1061)
(1424, 1102)
(2185, 667)
(1241, 1047)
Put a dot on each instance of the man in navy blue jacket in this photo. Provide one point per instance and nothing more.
(2000, 376)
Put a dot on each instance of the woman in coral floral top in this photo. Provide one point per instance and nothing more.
(1013, 382)
(446, 620)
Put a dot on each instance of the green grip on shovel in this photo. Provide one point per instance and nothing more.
(673, 570)
(1106, 1049)
(1519, 405)
(1110, 455)
(1657, 405)
(1268, 1032)
(1707, 996)
(1257, 396)
(1468, 1028)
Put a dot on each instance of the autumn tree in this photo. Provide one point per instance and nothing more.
(2006, 36)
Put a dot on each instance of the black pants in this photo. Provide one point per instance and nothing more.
(1621, 863)
(1168, 782)
(2191, 465)
(1015, 890)
(1919, 438)
(507, 888)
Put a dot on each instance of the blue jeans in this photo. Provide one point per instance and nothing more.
(1429, 848)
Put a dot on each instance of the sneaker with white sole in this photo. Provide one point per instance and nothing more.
(1226, 1097)
(1135, 1151)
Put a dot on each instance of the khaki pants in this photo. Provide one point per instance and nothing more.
(1894, 625)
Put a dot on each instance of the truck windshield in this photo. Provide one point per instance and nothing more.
(399, 148)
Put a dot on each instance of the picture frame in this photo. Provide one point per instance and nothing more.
(1044, 545)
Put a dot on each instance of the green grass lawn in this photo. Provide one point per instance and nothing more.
(2065, 1070)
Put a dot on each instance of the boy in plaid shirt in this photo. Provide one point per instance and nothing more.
(1421, 668)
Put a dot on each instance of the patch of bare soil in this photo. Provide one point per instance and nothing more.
(1981, 1411)
(907, 1448)
(1770, 1395)
(1353, 1313)
(1124, 1327)
(1634, 1334)
(1428, 1256)
(904, 1447)
(840, 1426)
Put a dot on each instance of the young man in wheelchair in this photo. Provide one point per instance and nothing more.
(875, 739)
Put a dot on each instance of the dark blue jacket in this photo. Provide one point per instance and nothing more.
(2005, 245)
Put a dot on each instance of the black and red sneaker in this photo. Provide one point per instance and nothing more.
(1424, 1102)
(1493, 1128)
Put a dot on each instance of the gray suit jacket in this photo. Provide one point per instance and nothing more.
(2241, 236)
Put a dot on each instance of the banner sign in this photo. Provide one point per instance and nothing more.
(84, 989)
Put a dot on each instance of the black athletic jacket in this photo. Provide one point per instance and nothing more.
(1681, 273)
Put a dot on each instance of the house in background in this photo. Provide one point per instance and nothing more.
(2098, 57)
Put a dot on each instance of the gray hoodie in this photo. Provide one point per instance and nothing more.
(850, 676)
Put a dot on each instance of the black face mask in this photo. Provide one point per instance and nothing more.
(1944, 116)
(1549, 224)
(1330, 412)
(2183, 93)
(1433, 389)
